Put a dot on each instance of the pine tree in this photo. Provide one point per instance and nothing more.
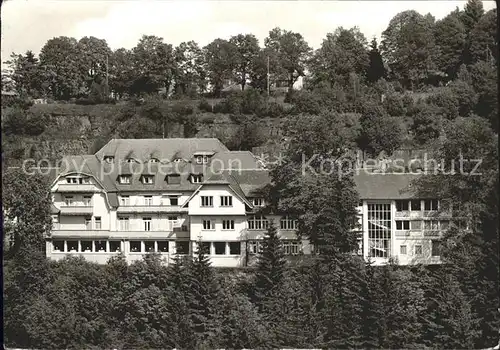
(203, 294)
(376, 69)
(271, 265)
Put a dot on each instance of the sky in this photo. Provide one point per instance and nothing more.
(28, 24)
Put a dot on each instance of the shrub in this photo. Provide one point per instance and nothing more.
(205, 106)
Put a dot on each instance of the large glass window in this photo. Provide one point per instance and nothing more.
(379, 230)
(258, 223)
(288, 223)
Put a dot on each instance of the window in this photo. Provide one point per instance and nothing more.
(226, 201)
(86, 246)
(258, 223)
(418, 250)
(173, 179)
(402, 225)
(147, 179)
(124, 179)
(291, 247)
(68, 200)
(204, 246)
(174, 200)
(100, 246)
(208, 225)
(154, 160)
(109, 159)
(435, 248)
(196, 179)
(431, 225)
(88, 223)
(258, 202)
(220, 248)
(72, 180)
(173, 221)
(131, 160)
(379, 230)
(125, 200)
(182, 247)
(402, 206)
(85, 180)
(114, 246)
(123, 224)
(207, 201)
(416, 225)
(254, 247)
(415, 205)
(147, 224)
(287, 223)
(72, 246)
(201, 159)
(234, 248)
(97, 221)
(87, 201)
(149, 246)
(178, 160)
(148, 200)
(431, 204)
(402, 249)
(58, 246)
(135, 246)
(162, 246)
(228, 224)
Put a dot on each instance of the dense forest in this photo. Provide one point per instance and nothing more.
(429, 84)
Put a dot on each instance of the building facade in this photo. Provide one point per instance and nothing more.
(166, 195)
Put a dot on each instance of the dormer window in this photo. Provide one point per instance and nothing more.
(147, 179)
(78, 180)
(109, 159)
(124, 179)
(177, 160)
(201, 159)
(258, 202)
(154, 160)
(131, 160)
(196, 179)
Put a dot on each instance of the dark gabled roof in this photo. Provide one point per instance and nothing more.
(235, 160)
(252, 182)
(163, 149)
(384, 186)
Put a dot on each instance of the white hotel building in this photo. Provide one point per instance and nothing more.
(137, 196)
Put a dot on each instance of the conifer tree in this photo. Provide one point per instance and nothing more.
(271, 266)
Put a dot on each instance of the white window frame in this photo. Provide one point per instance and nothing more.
(289, 223)
(258, 202)
(87, 201)
(421, 249)
(196, 178)
(124, 179)
(124, 223)
(257, 223)
(69, 201)
(209, 227)
(147, 224)
(291, 247)
(228, 225)
(124, 201)
(403, 250)
(226, 201)
(98, 223)
(208, 199)
(148, 201)
(430, 201)
(148, 179)
(254, 247)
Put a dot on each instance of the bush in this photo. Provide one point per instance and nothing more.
(205, 106)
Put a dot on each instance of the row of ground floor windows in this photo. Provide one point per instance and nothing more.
(290, 247)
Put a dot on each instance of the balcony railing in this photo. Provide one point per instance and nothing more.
(77, 209)
(157, 208)
(74, 188)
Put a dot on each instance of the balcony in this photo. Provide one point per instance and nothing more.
(74, 188)
(87, 234)
(122, 209)
(76, 210)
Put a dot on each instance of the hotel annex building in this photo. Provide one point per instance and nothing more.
(137, 196)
